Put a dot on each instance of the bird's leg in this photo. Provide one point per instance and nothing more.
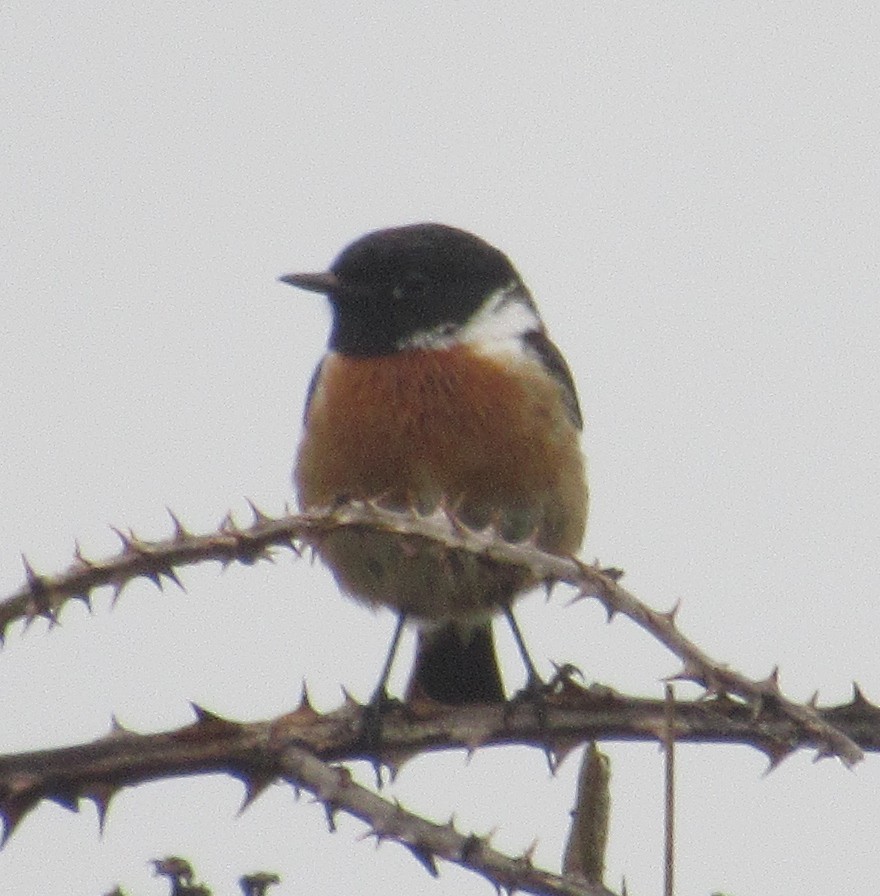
(535, 685)
(380, 702)
(380, 695)
(535, 690)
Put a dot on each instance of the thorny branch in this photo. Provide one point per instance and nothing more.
(45, 595)
(334, 786)
(303, 746)
(287, 748)
(300, 747)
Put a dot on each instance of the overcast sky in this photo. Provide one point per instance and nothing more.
(691, 192)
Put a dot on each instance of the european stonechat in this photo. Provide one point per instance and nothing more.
(440, 386)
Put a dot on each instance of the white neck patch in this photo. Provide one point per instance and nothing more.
(498, 324)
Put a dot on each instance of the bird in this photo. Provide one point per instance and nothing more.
(440, 387)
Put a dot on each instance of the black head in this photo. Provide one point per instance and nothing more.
(393, 287)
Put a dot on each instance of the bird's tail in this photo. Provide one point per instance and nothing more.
(456, 665)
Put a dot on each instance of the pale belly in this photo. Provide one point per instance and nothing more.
(418, 576)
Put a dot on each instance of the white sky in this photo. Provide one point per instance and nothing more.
(689, 189)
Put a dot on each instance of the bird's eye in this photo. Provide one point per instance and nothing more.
(412, 286)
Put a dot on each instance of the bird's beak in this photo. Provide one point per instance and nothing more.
(324, 282)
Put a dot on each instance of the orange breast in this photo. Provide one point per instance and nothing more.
(421, 426)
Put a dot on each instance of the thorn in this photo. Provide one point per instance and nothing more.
(393, 761)
(475, 739)
(7, 829)
(227, 525)
(424, 857)
(39, 603)
(101, 795)
(204, 715)
(180, 532)
(824, 752)
(561, 752)
(304, 714)
(259, 516)
(671, 613)
(153, 576)
(471, 845)
(117, 591)
(209, 724)
(565, 672)
(775, 752)
(127, 546)
(79, 558)
(611, 572)
(225, 562)
(693, 673)
(529, 855)
(12, 817)
(582, 594)
(374, 833)
(349, 701)
(711, 685)
(254, 785)
(859, 700)
(450, 511)
(84, 597)
(117, 729)
(36, 584)
(297, 790)
(172, 576)
(67, 801)
(770, 685)
(681, 675)
(552, 758)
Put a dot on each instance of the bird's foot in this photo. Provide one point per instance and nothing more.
(370, 740)
(536, 694)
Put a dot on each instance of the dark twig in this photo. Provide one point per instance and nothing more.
(252, 751)
(44, 595)
(669, 795)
